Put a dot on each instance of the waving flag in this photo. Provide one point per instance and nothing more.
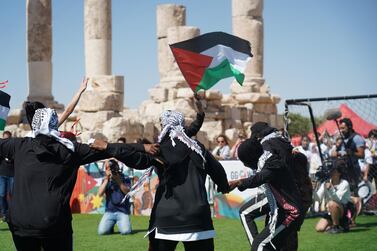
(206, 59)
(4, 109)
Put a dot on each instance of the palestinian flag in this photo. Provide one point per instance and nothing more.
(4, 109)
(206, 59)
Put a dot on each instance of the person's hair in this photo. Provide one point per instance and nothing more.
(372, 133)
(305, 137)
(249, 152)
(340, 165)
(7, 133)
(224, 137)
(143, 141)
(348, 123)
(123, 139)
(30, 108)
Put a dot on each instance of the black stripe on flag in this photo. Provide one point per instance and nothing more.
(4, 99)
(209, 40)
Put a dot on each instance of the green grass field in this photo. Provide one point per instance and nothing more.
(230, 236)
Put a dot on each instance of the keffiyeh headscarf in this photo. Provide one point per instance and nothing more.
(172, 123)
(45, 121)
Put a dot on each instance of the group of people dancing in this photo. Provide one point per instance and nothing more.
(45, 171)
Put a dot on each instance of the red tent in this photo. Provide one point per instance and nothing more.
(361, 126)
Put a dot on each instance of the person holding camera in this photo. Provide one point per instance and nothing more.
(337, 193)
(115, 185)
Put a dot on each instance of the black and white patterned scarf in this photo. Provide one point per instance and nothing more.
(45, 121)
(173, 123)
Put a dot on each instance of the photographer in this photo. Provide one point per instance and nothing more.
(337, 194)
(115, 185)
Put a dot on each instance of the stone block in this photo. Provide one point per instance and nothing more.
(257, 117)
(180, 33)
(215, 115)
(244, 98)
(169, 15)
(212, 129)
(172, 94)
(14, 116)
(213, 95)
(185, 93)
(107, 83)
(251, 84)
(92, 101)
(94, 120)
(214, 102)
(275, 99)
(232, 112)
(185, 106)
(158, 95)
(227, 99)
(232, 135)
(265, 108)
(252, 8)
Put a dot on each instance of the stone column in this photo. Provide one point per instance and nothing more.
(247, 23)
(97, 28)
(39, 45)
(168, 15)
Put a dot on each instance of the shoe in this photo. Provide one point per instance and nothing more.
(334, 230)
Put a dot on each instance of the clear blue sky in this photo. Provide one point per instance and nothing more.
(313, 48)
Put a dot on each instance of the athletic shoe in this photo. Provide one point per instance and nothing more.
(334, 230)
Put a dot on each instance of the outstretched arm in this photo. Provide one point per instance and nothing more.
(71, 106)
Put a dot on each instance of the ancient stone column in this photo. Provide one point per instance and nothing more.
(247, 22)
(168, 15)
(97, 28)
(39, 44)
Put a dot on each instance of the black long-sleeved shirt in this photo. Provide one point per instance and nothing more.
(45, 175)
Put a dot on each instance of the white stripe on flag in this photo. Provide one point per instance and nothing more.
(220, 53)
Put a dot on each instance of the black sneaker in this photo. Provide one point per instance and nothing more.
(334, 230)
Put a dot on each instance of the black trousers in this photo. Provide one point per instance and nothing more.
(59, 243)
(167, 245)
(285, 238)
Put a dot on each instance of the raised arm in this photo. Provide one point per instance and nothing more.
(71, 106)
(195, 126)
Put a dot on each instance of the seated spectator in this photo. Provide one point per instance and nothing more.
(337, 194)
(241, 138)
(115, 185)
(222, 150)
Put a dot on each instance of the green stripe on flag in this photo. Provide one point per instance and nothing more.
(223, 70)
(2, 124)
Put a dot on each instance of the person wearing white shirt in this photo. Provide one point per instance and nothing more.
(337, 194)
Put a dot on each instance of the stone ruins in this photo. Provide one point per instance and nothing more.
(101, 110)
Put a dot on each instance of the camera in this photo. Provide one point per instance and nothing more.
(323, 174)
(114, 167)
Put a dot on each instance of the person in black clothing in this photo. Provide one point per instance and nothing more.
(45, 172)
(282, 198)
(6, 181)
(181, 211)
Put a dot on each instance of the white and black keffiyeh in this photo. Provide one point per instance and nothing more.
(172, 123)
(45, 121)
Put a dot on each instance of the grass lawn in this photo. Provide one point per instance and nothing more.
(230, 236)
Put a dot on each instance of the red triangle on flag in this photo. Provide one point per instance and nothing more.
(192, 65)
